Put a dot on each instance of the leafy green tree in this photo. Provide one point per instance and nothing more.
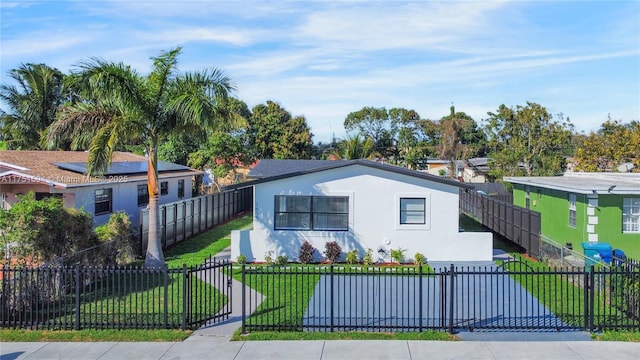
(224, 153)
(121, 106)
(613, 144)
(32, 105)
(36, 231)
(460, 137)
(274, 134)
(525, 140)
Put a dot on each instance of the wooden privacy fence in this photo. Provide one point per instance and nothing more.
(183, 219)
(519, 225)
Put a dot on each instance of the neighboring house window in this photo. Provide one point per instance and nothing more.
(311, 213)
(164, 188)
(180, 188)
(143, 194)
(412, 211)
(103, 201)
(572, 210)
(631, 215)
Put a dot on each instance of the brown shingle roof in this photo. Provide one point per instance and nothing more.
(34, 166)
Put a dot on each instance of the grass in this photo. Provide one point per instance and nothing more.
(627, 336)
(123, 335)
(353, 335)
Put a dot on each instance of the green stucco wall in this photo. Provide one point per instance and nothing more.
(553, 206)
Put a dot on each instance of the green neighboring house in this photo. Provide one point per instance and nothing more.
(585, 207)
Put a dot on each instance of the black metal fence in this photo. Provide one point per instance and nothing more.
(519, 225)
(512, 296)
(114, 297)
(183, 219)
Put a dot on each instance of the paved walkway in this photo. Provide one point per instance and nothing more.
(213, 342)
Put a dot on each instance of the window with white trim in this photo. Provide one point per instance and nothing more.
(295, 212)
(103, 201)
(413, 211)
(631, 215)
(572, 210)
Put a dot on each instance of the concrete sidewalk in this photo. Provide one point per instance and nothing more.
(204, 347)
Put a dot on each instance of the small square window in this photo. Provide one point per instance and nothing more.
(412, 211)
(164, 188)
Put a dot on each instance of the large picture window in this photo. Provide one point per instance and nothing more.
(103, 201)
(412, 211)
(572, 210)
(311, 213)
(631, 215)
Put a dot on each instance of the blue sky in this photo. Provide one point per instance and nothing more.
(325, 59)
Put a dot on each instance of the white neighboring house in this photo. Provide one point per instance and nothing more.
(63, 174)
(361, 205)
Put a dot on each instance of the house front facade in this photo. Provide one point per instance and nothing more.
(63, 174)
(362, 205)
(585, 207)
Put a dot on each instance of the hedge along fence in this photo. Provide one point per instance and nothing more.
(183, 219)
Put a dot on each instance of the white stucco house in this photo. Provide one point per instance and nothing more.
(361, 205)
(63, 174)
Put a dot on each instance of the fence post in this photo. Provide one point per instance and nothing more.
(77, 273)
(244, 299)
(185, 297)
(331, 295)
(592, 295)
(166, 297)
(420, 298)
(451, 299)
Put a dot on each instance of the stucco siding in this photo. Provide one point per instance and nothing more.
(603, 222)
(374, 217)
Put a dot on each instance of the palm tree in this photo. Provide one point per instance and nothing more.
(356, 147)
(32, 105)
(123, 107)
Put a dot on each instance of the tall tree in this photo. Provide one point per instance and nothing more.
(460, 137)
(356, 146)
(527, 141)
(126, 107)
(275, 134)
(613, 144)
(32, 103)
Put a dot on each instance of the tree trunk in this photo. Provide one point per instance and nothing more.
(154, 257)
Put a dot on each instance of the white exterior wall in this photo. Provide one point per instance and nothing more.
(374, 218)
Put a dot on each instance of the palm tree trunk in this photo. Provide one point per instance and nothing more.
(154, 257)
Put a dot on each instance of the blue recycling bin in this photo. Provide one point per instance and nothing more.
(596, 252)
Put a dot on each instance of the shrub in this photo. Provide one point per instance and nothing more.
(268, 257)
(241, 259)
(282, 260)
(419, 259)
(352, 257)
(306, 253)
(332, 251)
(397, 255)
(368, 260)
